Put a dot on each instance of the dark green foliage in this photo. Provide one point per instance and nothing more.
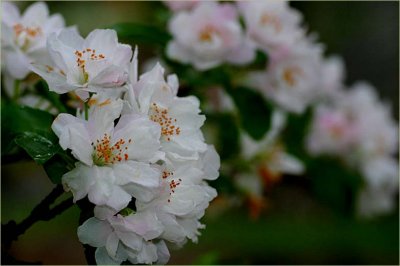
(255, 112)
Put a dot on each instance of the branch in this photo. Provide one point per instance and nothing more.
(41, 212)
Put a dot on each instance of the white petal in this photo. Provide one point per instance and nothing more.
(94, 232)
(101, 121)
(104, 212)
(102, 257)
(78, 181)
(110, 76)
(100, 192)
(119, 199)
(137, 173)
(55, 22)
(162, 253)
(17, 64)
(103, 41)
(122, 55)
(10, 13)
(56, 81)
(144, 135)
(130, 239)
(112, 244)
(35, 14)
(145, 224)
(211, 162)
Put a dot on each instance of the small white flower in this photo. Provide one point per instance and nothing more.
(208, 36)
(293, 80)
(114, 160)
(95, 64)
(178, 117)
(272, 25)
(23, 37)
(119, 238)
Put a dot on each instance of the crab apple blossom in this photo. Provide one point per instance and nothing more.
(293, 80)
(178, 117)
(114, 160)
(207, 36)
(23, 37)
(119, 238)
(95, 64)
(272, 25)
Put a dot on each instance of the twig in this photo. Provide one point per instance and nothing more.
(41, 212)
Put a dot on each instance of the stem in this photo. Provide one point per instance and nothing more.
(17, 82)
(41, 212)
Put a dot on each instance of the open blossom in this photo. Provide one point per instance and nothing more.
(119, 238)
(272, 25)
(23, 37)
(113, 160)
(208, 36)
(95, 64)
(178, 117)
(293, 80)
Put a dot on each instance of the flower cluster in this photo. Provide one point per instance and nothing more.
(358, 128)
(141, 158)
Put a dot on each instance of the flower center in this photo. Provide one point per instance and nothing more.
(168, 124)
(173, 184)
(272, 21)
(24, 35)
(207, 33)
(104, 153)
(83, 56)
(291, 74)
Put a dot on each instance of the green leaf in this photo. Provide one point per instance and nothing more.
(37, 146)
(295, 133)
(334, 183)
(16, 119)
(55, 168)
(227, 133)
(255, 113)
(138, 33)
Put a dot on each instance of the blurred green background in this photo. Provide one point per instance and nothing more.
(296, 229)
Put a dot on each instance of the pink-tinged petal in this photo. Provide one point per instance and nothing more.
(94, 232)
(144, 135)
(17, 64)
(136, 173)
(242, 55)
(10, 14)
(103, 41)
(56, 81)
(78, 181)
(145, 224)
(110, 76)
(35, 14)
(130, 239)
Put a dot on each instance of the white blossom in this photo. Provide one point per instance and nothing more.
(95, 64)
(207, 36)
